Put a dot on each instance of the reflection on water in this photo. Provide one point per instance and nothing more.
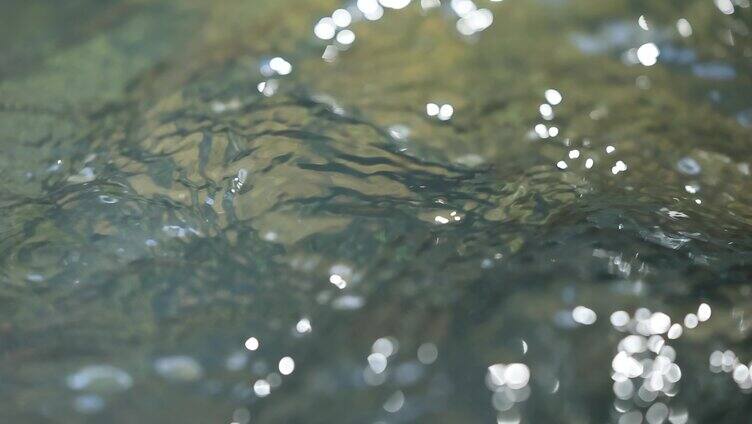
(376, 211)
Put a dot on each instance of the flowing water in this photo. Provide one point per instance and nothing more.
(455, 211)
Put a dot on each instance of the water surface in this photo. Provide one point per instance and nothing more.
(361, 212)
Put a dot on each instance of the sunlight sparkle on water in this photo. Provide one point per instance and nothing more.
(341, 18)
(648, 54)
(262, 388)
(583, 315)
(553, 97)
(286, 365)
(325, 28)
(277, 65)
(252, 344)
(303, 326)
(684, 27)
(395, 4)
(371, 9)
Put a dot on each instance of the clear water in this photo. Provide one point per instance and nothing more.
(512, 211)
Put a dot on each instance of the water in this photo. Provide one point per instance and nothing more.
(455, 211)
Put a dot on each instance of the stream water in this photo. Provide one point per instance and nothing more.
(392, 211)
